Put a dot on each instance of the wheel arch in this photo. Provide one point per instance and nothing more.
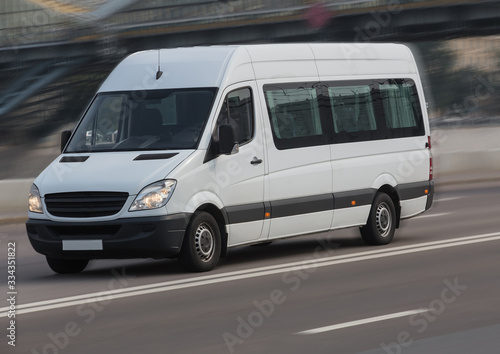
(221, 220)
(393, 194)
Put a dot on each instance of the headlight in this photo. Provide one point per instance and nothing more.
(154, 196)
(34, 200)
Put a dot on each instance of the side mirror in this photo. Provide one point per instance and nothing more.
(65, 135)
(228, 144)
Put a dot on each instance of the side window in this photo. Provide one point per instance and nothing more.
(403, 115)
(352, 109)
(237, 111)
(294, 112)
(364, 110)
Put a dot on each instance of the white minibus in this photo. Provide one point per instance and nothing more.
(187, 152)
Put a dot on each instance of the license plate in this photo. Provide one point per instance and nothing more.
(82, 245)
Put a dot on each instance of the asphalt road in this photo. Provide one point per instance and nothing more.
(435, 289)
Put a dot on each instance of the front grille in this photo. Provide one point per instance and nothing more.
(85, 204)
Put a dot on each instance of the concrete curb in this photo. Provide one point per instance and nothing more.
(467, 178)
(6, 220)
(466, 162)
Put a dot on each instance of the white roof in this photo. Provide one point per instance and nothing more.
(218, 66)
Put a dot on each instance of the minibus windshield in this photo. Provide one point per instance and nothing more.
(143, 120)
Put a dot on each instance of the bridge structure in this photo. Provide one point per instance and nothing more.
(43, 42)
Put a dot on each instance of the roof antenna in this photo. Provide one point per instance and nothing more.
(159, 73)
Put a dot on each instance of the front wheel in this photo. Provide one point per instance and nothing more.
(381, 225)
(67, 266)
(201, 247)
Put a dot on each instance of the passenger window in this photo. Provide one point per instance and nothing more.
(374, 109)
(295, 115)
(237, 111)
(352, 109)
(403, 115)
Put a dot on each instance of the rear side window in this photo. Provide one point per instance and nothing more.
(364, 110)
(403, 115)
(294, 111)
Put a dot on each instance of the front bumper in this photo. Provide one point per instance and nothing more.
(147, 237)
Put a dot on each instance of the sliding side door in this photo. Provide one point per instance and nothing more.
(299, 194)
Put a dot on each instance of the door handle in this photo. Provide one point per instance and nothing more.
(256, 161)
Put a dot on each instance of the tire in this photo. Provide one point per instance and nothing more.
(201, 247)
(381, 224)
(67, 266)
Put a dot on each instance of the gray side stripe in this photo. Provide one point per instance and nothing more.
(317, 203)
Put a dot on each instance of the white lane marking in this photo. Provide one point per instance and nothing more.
(246, 274)
(447, 199)
(362, 322)
(431, 215)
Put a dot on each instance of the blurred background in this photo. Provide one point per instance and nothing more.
(55, 53)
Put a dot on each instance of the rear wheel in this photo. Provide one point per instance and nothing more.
(67, 266)
(381, 225)
(201, 247)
